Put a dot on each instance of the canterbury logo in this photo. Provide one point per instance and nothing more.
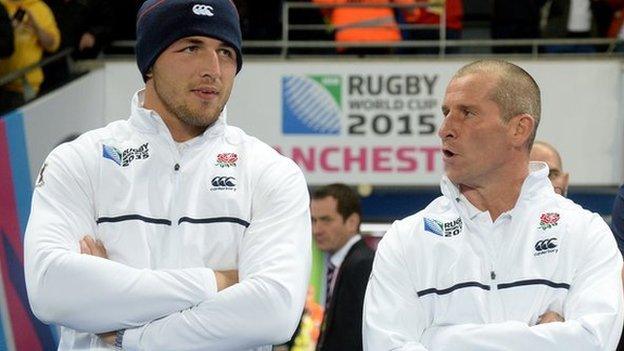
(546, 244)
(223, 181)
(203, 10)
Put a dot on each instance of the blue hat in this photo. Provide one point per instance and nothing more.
(162, 22)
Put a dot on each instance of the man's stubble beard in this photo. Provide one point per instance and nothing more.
(183, 112)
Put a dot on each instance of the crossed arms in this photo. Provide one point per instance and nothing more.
(168, 309)
(394, 318)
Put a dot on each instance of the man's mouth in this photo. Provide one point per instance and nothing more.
(448, 153)
(205, 93)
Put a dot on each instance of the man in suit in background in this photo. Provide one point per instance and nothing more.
(336, 216)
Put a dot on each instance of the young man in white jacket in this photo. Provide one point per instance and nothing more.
(500, 261)
(171, 230)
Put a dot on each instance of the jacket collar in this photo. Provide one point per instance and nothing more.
(535, 184)
(339, 256)
(149, 121)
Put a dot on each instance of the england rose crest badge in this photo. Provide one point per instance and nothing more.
(227, 159)
(548, 220)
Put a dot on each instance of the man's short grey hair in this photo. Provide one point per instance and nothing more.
(516, 92)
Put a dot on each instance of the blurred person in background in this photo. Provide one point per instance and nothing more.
(515, 20)
(366, 24)
(35, 31)
(86, 26)
(7, 43)
(336, 216)
(575, 19)
(544, 152)
(431, 15)
(125, 19)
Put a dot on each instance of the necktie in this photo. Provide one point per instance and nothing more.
(328, 286)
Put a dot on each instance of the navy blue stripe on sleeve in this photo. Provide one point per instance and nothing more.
(453, 288)
(214, 220)
(534, 282)
(133, 217)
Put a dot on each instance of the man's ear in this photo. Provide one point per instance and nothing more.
(520, 129)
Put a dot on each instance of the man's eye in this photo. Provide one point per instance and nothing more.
(553, 174)
(226, 52)
(191, 48)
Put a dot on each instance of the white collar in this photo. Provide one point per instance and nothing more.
(536, 181)
(150, 121)
(339, 256)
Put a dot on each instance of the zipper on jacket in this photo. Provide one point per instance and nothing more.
(492, 275)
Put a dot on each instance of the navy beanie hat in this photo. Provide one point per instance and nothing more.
(162, 22)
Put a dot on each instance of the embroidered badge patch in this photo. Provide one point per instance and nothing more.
(127, 156)
(548, 220)
(226, 160)
(447, 229)
(433, 226)
(546, 246)
(223, 183)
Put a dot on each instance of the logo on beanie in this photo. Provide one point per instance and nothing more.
(203, 10)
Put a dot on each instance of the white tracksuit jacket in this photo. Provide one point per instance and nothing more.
(447, 278)
(168, 215)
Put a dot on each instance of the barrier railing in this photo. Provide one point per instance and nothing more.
(535, 44)
(287, 47)
(29, 92)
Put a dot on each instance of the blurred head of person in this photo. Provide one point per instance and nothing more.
(336, 215)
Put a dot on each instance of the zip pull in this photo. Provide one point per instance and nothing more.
(493, 275)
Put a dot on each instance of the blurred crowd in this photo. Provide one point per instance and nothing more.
(31, 30)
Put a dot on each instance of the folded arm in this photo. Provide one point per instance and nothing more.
(274, 265)
(592, 310)
(89, 293)
(393, 317)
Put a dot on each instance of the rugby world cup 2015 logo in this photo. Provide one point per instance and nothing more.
(311, 104)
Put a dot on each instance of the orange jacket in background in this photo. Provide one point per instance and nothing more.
(431, 15)
(362, 23)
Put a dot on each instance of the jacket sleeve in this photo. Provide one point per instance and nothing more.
(617, 218)
(6, 33)
(274, 266)
(592, 311)
(46, 20)
(83, 292)
(393, 316)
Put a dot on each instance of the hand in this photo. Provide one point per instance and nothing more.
(225, 279)
(29, 21)
(87, 41)
(46, 39)
(550, 317)
(89, 246)
(109, 337)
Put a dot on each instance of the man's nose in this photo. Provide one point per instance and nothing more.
(447, 129)
(211, 66)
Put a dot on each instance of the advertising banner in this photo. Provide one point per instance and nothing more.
(376, 122)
